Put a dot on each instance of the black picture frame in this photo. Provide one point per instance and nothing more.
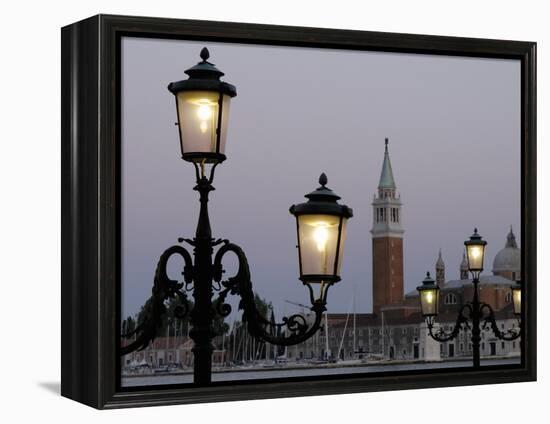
(91, 220)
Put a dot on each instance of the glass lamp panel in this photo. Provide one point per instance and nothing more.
(341, 249)
(475, 253)
(198, 121)
(429, 300)
(226, 102)
(318, 238)
(516, 298)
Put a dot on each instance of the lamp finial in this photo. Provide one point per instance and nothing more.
(323, 179)
(205, 54)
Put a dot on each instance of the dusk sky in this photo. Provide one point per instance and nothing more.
(453, 125)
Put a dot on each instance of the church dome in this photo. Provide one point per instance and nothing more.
(509, 258)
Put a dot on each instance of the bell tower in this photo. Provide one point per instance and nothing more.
(387, 241)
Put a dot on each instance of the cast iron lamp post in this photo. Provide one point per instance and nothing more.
(202, 103)
(474, 311)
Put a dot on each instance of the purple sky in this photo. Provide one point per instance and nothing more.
(454, 130)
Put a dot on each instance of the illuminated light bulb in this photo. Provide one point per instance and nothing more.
(476, 252)
(320, 235)
(429, 297)
(204, 112)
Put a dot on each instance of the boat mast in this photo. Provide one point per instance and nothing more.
(326, 337)
(383, 335)
(354, 319)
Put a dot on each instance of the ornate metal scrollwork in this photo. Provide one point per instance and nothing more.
(461, 321)
(163, 289)
(295, 328)
(490, 320)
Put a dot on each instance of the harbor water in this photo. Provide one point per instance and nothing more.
(258, 374)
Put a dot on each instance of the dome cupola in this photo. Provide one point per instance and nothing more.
(507, 261)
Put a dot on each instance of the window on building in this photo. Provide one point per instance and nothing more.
(513, 345)
(508, 297)
(451, 299)
(404, 330)
(502, 344)
(482, 346)
(461, 347)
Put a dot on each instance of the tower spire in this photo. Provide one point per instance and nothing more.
(464, 267)
(386, 176)
(440, 270)
(511, 239)
(440, 262)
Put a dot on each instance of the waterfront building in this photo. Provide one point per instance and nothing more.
(168, 352)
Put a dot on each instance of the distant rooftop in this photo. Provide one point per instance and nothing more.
(484, 280)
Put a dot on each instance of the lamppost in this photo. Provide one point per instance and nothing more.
(202, 103)
(474, 311)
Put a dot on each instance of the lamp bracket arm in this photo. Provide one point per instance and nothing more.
(490, 320)
(155, 309)
(461, 321)
(292, 330)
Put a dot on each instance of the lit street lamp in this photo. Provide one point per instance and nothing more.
(202, 103)
(429, 296)
(474, 311)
